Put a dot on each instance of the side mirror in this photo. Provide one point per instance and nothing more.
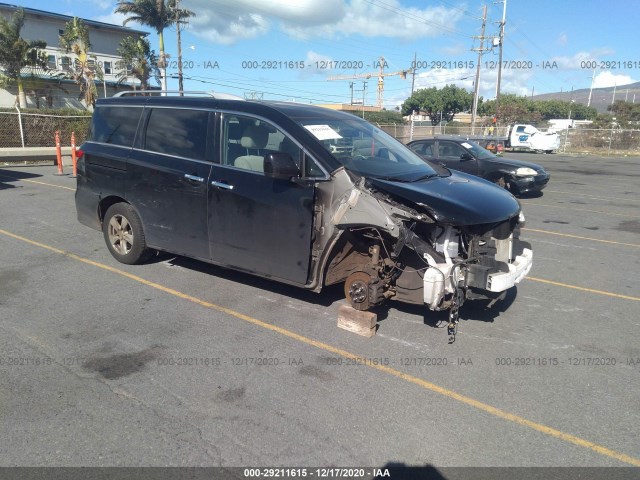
(465, 157)
(281, 166)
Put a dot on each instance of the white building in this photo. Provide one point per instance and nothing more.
(55, 89)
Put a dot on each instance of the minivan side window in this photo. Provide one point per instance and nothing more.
(179, 132)
(246, 140)
(115, 125)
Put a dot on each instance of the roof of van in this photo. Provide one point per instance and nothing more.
(298, 110)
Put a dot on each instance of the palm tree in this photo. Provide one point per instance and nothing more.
(138, 61)
(17, 53)
(157, 14)
(85, 69)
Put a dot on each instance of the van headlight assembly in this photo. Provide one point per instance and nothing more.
(525, 172)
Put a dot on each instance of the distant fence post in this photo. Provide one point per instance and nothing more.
(20, 124)
(610, 138)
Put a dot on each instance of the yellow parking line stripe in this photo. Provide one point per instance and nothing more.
(552, 432)
(35, 181)
(578, 209)
(590, 195)
(583, 289)
(581, 238)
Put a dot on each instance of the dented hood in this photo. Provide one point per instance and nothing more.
(459, 199)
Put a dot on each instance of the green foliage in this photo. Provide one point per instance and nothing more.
(39, 130)
(447, 101)
(52, 111)
(17, 53)
(627, 114)
(138, 61)
(85, 69)
(515, 109)
(384, 117)
(157, 14)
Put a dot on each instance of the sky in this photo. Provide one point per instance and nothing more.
(289, 49)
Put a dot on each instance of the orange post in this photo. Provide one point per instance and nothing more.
(59, 154)
(74, 160)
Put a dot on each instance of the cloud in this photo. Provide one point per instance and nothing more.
(228, 28)
(563, 39)
(230, 21)
(580, 59)
(608, 79)
(513, 81)
(103, 4)
(118, 19)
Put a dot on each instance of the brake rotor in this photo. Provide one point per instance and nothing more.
(356, 290)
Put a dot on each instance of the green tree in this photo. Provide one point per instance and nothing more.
(438, 104)
(17, 53)
(157, 14)
(384, 117)
(580, 111)
(138, 61)
(625, 113)
(516, 109)
(513, 109)
(84, 69)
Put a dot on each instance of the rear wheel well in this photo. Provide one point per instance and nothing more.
(107, 202)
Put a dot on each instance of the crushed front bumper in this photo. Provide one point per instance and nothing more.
(518, 269)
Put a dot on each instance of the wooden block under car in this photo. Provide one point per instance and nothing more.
(356, 321)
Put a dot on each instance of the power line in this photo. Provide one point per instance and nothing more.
(419, 19)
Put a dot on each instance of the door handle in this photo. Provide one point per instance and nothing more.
(226, 186)
(194, 178)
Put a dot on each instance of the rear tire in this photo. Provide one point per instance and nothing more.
(123, 234)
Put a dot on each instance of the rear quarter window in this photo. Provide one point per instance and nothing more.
(179, 132)
(115, 125)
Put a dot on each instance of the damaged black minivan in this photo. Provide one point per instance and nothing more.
(295, 193)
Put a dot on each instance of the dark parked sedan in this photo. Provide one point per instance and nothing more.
(458, 153)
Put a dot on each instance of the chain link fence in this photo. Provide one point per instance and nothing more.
(572, 140)
(38, 130)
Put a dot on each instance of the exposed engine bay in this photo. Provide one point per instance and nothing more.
(384, 249)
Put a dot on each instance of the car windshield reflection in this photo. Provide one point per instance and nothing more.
(478, 151)
(368, 151)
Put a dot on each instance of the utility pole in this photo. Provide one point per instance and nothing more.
(504, 20)
(591, 88)
(570, 102)
(351, 87)
(413, 72)
(364, 89)
(613, 99)
(480, 51)
(180, 83)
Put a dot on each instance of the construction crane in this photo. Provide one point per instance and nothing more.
(380, 74)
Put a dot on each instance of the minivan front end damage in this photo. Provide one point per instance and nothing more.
(384, 247)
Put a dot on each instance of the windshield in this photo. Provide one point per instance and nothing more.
(477, 151)
(366, 150)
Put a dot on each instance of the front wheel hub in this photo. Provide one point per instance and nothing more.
(356, 290)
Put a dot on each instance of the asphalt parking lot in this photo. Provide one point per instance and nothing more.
(180, 363)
